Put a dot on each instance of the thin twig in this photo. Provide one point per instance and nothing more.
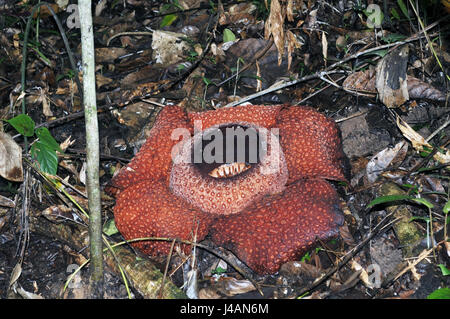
(261, 53)
(166, 269)
(447, 122)
(348, 256)
(207, 248)
(329, 70)
(127, 33)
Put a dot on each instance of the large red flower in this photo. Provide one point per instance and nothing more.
(267, 211)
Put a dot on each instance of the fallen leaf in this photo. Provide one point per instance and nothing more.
(168, 47)
(274, 27)
(391, 81)
(383, 159)
(6, 202)
(420, 144)
(418, 89)
(324, 47)
(10, 159)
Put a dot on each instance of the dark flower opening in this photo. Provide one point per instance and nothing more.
(228, 150)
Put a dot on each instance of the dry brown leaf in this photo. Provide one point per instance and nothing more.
(45, 104)
(324, 47)
(66, 143)
(6, 202)
(290, 11)
(10, 159)
(59, 213)
(231, 286)
(346, 235)
(364, 276)
(102, 80)
(274, 27)
(383, 159)
(238, 13)
(292, 43)
(108, 55)
(418, 89)
(419, 143)
(391, 82)
(101, 5)
(363, 81)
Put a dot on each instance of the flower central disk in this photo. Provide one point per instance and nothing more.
(225, 168)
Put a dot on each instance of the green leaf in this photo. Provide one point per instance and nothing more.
(426, 219)
(306, 257)
(394, 198)
(423, 201)
(168, 20)
(46, 157)
(388, 199)
(446, 208)
(395, 14)
(228, 35)
(181, 67)
(46, 137)
(206, 80)
(218, 271)
(23, 124)
(404, 9)
(110, 228)
(442, 293)
(381, 53)
(445, 271)
(393, 37)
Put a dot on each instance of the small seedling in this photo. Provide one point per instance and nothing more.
(44, 148)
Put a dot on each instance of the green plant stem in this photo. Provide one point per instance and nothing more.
(92, 149)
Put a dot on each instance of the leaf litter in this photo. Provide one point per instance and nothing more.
(149, 55)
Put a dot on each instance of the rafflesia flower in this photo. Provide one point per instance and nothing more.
(253, 177)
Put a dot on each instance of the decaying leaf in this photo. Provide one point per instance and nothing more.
(420, 144)
(364, 276)
(418, 89)
(383, 159)
(15, 274)
(26, 294)
(10, 159)
(108, 55)
(391, 81)
(292, 43)
(364, 81)
(324, 47)
(6, 202)
(60, 213)
(102, 80)
(274, 27)
(168, 47)
(229, 286)
(238, 13)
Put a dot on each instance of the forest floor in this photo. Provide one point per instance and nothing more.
(202, 55)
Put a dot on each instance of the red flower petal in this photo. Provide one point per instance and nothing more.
(154, 158)
(149, 209)
(311, 144)
(281, 227)
(261, 115)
